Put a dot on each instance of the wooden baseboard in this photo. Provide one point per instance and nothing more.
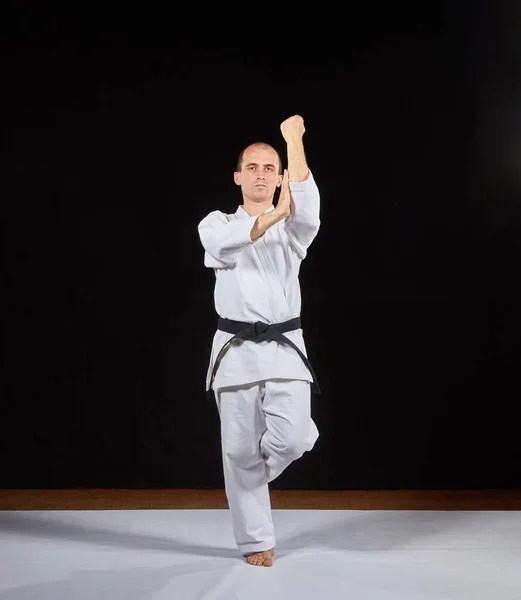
(154, 499)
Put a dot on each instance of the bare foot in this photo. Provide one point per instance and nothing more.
(261, 559)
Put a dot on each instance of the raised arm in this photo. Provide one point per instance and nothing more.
(304, 222)
(293, 131)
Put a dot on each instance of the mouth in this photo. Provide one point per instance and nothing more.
(261, 185)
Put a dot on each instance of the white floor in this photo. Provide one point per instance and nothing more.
(321, 555)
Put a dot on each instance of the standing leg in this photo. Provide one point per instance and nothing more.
(265, 426)
(290, 430)
(242, 427)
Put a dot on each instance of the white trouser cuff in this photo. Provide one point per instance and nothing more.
(246, 549)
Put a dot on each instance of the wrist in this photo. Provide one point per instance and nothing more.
(280, 212)
(295, 140)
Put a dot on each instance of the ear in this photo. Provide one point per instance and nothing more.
(237, 178)
(279, 180)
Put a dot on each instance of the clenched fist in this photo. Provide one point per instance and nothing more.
(293, 128)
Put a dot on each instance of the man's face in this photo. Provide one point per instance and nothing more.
(259, 176)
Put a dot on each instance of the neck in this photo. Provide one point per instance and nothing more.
(255, 208)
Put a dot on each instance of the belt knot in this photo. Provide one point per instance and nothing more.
(259, 328)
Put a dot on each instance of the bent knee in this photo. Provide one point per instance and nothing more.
(297, 447)
(291, 446)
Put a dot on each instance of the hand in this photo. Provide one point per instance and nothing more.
(285, 203)
(293, 128)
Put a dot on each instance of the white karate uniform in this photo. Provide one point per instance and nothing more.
(262, 388)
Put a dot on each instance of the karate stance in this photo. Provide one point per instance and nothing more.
(258, 369)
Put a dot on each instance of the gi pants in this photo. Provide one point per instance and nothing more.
(265, 426)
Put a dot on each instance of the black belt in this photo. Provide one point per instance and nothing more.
(259, 332)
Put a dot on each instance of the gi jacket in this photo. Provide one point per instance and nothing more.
(258, 281)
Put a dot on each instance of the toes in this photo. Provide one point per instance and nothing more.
(263, 559)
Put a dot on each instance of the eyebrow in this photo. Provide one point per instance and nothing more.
(254, 164)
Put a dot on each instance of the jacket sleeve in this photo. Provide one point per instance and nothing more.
(223, 238)
(303, 224)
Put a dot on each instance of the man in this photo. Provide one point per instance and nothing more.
(258, 369)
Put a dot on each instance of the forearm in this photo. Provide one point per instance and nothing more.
(297, 164)
(264, 222)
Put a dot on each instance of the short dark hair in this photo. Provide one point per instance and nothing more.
(238, 166)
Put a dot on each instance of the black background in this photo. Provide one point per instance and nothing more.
(121, 130)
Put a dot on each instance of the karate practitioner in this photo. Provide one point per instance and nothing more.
(259, 371)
